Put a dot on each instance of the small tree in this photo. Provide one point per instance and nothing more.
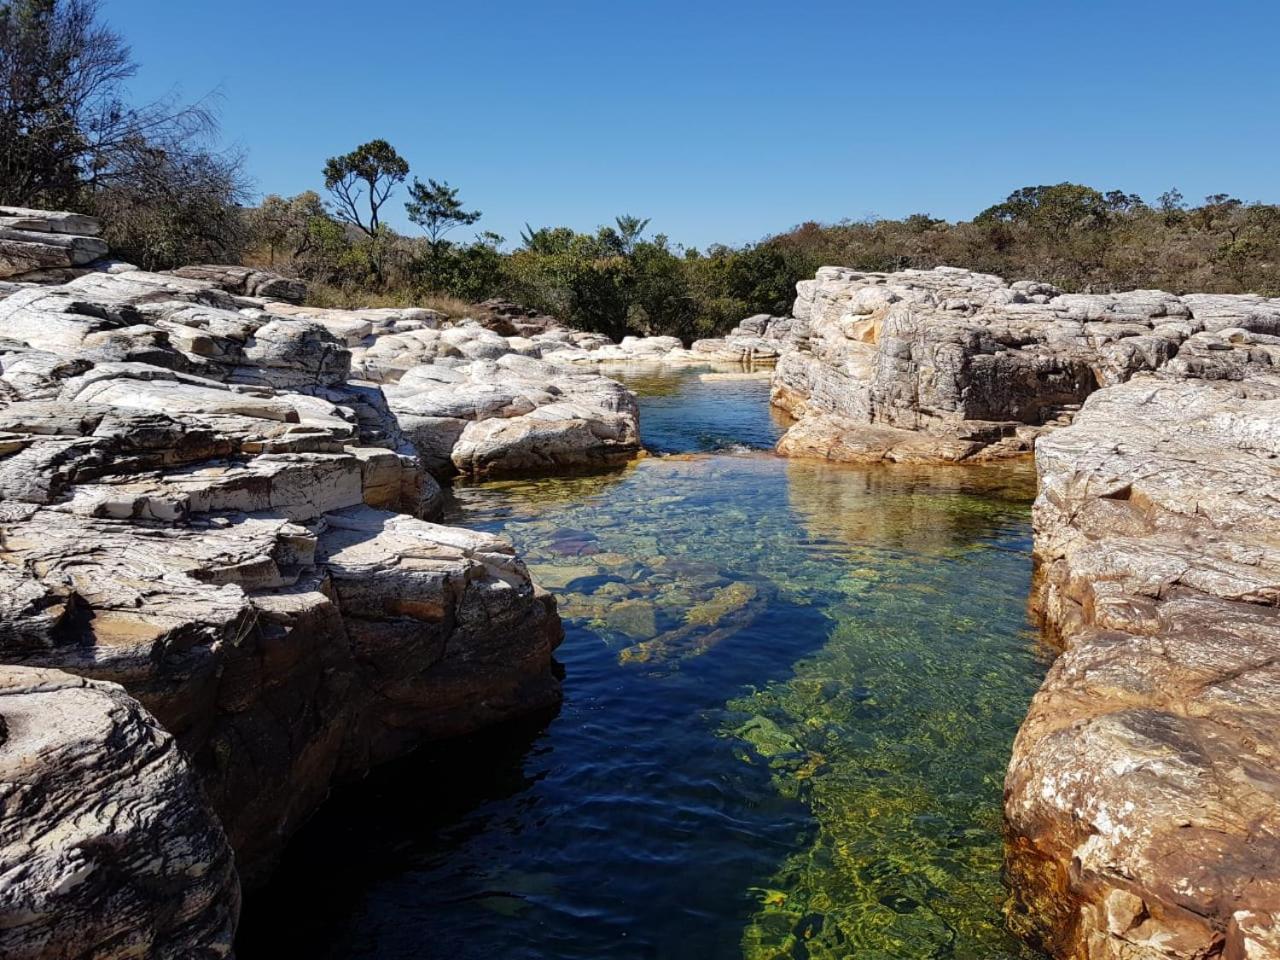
(1172, 206)
(366, 176)
(287, 225)
(629, 230)
(435, 207)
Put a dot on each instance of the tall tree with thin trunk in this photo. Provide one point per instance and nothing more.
(362, 181)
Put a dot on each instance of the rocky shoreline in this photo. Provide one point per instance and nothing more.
(221, 590)
(223, 593)
(1143, 796)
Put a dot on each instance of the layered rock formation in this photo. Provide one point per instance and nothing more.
(199, 503)
(39, 245)
(247, 282)
(108, 847)
(757, 340)
(1143, 798)
(474, 402)
(950, 365)
(515, 414)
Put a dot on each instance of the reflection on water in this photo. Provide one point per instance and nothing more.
(791, 688)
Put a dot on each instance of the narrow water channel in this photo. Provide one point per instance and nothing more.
(790, 693)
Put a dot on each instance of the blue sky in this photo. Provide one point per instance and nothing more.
(728, 121)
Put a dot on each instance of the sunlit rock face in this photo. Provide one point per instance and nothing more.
(514, 414)
(950, 365)
(108, 847)
(1143, 798)
(40, 245)
(199, 502)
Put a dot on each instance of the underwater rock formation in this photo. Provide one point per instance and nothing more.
(108, 847)
(1143, 797)
(951, 365)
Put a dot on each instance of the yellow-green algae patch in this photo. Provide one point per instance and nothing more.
(790, 690)
(896, 731)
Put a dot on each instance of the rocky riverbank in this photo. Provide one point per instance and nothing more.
(222, 591)
(215, 512)
(1143, 796)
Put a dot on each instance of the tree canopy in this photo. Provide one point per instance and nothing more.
(363, 180)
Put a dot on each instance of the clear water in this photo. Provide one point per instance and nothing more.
(790, 693)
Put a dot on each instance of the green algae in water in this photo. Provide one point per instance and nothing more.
(895, 732)
(898, 731)
(790, 693)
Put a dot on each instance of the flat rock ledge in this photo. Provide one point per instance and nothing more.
(1143, 798)
(948, 365)
(39, 245)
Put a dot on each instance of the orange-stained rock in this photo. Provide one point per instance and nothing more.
(1143, 797)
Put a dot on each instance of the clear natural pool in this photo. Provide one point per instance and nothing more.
(790, 693)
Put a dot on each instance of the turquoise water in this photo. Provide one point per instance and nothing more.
(790, 693)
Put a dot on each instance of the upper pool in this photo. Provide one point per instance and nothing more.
(790, 694)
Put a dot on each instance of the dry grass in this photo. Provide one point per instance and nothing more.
(321, 295)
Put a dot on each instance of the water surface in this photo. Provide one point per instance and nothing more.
(790, 693)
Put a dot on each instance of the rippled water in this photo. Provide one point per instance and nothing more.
(791, 689)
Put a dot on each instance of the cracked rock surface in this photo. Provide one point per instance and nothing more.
(200, 502)
(1143, 798)
(951, 365)
(108, 847)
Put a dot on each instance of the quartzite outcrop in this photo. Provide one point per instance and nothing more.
(201, 503)
(951, 365)
(108, 847)
(1143, 797)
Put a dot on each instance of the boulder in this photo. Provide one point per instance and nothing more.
(515, 414)
(108, 847)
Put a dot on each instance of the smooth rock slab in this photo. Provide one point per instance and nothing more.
(513, 415)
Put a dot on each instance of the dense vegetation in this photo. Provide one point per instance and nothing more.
(618, 280)
(69, 139)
